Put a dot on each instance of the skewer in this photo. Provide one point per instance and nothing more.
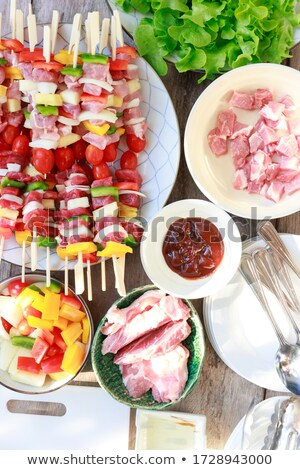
(13, 18)
(87, 36)
(103, 275)
(32, 32)
(77, 21)
(119, 30)
(20, 26)
(1, 247)
(48, 268)
(79, 275)
(118, 275)
(0, 26)
(89, 280)
(47, 43)
(23, 259)
(66, 275)
(54, 29)
(76, 48)
(94, 30)
(113, 38)
(34, 250)
(104, 34)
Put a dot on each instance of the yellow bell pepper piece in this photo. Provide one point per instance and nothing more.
(99, 130)
(127, 212)
(24, 235)
(13, 73)
(67, 59)
(121, 131)
(62, 253)
(86, 330)
(10, 214)
(114, 249)
(72, 333)
(48, 99)
(71, 313)
(84, 247)
(59, 375)
(3, 90)
(2, 48)
(51, 306)
(114, 101)
(26, 297)
(73, 359)
(38, 302)
(36, 322)
(61, 323)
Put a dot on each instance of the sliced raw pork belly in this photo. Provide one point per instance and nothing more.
(168, 309)
(134, 380)
(156, 343)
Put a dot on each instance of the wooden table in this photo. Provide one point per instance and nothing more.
(220, 394)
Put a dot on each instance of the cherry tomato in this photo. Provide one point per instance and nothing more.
(101, 171)
(4, 145)
(93, 155)
(128, 161)
(88, 171)
(6, 325)
(24, 328)
(64, 158)
(79, 149)
(135, 144)
(20, 145)
(10, 133)
(110, 153)
(43, 160)
(15, 287)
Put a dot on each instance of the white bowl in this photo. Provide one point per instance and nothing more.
(49, 385)
(214, 175)
(153, 260)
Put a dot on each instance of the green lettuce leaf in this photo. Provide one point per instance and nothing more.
(148, 46)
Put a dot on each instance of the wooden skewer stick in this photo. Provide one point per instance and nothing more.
(76, 48)
(103, 275)
(87, 35)
(77, 22)
(66, 275)
(34, 250)
(119, 30)
(23, 259)
(32, 32)
(104, 34)
(20, 26)
(1, 247)
(118, 275)
(89, 280)
(94, 30)
(48, 267)
(13, 18)
(47, 43)
(113, 38)
(0, 26)
(54, 29)
(79, 275)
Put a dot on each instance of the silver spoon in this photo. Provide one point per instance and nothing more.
(287, 359)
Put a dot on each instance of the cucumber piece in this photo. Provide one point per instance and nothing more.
(54, 287)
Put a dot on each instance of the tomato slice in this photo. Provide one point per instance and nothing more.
(37, 54)
(100, 99)
(12, 44)
(127, 185)
(90, 257)
(28, 364)
(6, 325)
(127, 50)
(47, 65)
(118, 64)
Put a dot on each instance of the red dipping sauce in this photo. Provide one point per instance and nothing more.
(193, 247)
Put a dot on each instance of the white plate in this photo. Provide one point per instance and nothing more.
(156, 267)
(214, 176)
(240, 331)
(158, 162)
(261, 420)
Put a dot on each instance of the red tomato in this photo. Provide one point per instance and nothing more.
(93, 155)
(64, 158)
(24, 328)
(101, 171)
(110, 153)
(20, 145)
(47, 65)
(43, 160)
(127, 50)
(4, 145)
(27, 56)
(28, 364)
(90, 257)
(12, 44)
(88, 171)
(10, 133)
(135, 144)
(118, 64)
(15, 287)
(79, 149)
(6, 325)
(128, 161)
(31, 311)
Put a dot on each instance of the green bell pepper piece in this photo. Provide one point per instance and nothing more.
(23, 341)
(68, 70)
(36, 185)
(47, 242)
(47, 110)
(15, 184)
(94, 59)
(99, 247)
(120, 114)
(111, 130)
(130, 241)
(87, 218)
(26, 114)
(105, 191)
(36, 289)
(3, 61)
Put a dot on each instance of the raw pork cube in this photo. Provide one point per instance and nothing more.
(272, 171)
(242, 100)
(241, 129)
(288, 146)
(240, 179)
(272, 110)
(254, 188)
(289, 105)
(294, 126)
(268, 134)
(217, 143)
(287, 163)
(292, 186)
(262, 96)
(240, 150)
(285, 176)
(258, 166)
(225, 123)
(256, 142)
(281, 124)
(275, 191)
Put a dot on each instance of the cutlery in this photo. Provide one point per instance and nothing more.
(287, 359)
(247, 423)
(284, 430)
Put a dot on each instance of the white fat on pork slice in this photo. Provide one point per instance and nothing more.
(32, 206)
(94, 81)
(110, 210)
(71, 188)
(27, 124)
(132, 104)
(81, 231)
(129, 191)
(27, 85)
(44, 144)
(78, 202)
(62, 205)
(47, 87)
(12, 198)
(104, 115)
(134, 121)
(14, 167)
(110, 230)
(75, 175)
(67, 121)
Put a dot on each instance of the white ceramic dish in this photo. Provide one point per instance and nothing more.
(214, 176)
(158, 162)
(156, 267)
(50, 385)
(261, 420)
(239, 329)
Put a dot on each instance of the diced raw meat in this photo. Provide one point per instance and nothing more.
(38, 121)
(13, 90)
(241, 129)
(268, 134)
(272, 171)
(101, 201)
(289, 105)
(240, 179)
(288, 146)
(42, 75)
(132, 200)
(132, 113)
(242, 100)
(2, 75)
(73, 109)
(264, 189)
(254, 188)
(240, 150)
(92, 89)
(101, 141)
(225, 123)
(121, 89)
(285, 176)
(256, 142)
(97, 71)
(292, 186)
(119, 317)
(294, 126)
(258, 166)
(280, 125)
(93, 106)
(15, 119)
(262, 96)
(134, 380)
(168, 309)
(103, 182)
(72, 82)
(275, 191)
(287, 163)
(129, 175)
(134, 229)
(137, 129)
(217, 143)
(33, 196)
(273, 110)
(156, 343)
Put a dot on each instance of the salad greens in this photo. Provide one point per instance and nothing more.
(213, 35)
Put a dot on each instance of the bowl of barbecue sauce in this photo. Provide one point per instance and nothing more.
(191, 248)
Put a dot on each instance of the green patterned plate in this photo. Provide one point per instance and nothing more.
(109, 376)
